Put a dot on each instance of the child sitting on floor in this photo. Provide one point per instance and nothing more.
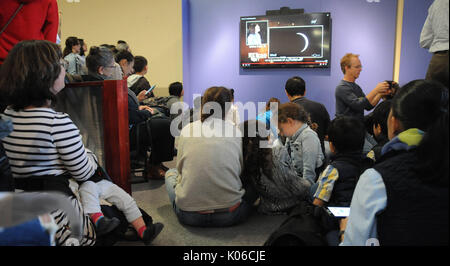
(379, 124)
(336, 183)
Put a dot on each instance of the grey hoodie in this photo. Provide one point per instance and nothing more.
(131, 80)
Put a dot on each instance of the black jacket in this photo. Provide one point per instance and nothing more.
(135, 116)
(140, 85)
(417, 212)
(349, 166)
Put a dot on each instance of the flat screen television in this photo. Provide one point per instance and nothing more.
(300, 41)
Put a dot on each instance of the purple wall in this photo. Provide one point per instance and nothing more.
(211, 49)
(413, 59)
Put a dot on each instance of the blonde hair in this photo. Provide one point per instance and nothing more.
(346, 61)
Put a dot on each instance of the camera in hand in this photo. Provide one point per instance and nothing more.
(393, 87)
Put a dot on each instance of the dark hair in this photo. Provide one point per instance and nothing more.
(232, 94)
(293, 111)
(70, 42)
(252, 26)
(98, 56)
(124, 54)
(139, 63)
(347, 134)
(111, 47)
(423, 104)
(29, 72)
(295, 86)
(175, 89)
(380, 116)
(220, 95)
(255, 158)
(121, 41)
(82, 44)
(272, 100)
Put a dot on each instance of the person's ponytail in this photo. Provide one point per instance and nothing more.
(433, 153)
(98, 56)
(434, 147)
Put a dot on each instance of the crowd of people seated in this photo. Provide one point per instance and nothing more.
(389, 167)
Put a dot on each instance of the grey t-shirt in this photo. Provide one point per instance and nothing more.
(209, 166)
(351, 100)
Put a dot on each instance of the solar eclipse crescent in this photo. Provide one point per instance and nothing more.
(306, 41)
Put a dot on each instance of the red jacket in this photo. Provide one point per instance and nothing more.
(37, 20)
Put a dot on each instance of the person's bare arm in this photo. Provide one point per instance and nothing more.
(319, 202)
(377, 93)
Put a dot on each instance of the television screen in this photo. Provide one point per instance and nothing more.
(301, 40)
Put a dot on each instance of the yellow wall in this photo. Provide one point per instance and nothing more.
(152, 28)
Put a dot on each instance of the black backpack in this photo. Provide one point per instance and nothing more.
(306, 225)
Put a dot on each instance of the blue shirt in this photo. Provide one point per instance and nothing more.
(368, 200)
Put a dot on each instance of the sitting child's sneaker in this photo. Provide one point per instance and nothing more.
(152, 232)
(105, 225)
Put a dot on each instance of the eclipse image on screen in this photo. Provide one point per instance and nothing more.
(300, 40)
(296, 41)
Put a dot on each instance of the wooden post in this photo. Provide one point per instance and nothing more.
(116, 132)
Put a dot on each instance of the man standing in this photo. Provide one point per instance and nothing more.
(350, 99)
(434, 37)
(295, 90)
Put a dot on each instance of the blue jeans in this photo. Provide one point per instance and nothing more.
(192, 218)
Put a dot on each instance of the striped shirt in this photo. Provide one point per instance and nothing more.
(45, 142)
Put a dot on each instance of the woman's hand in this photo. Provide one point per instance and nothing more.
(142, 95)
(145, 107)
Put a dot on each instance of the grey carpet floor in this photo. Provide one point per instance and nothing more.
(152, 197)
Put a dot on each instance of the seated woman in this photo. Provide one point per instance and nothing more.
(403, 199)
(125, 59)
(302, 144)
(269, 171)
(45, 149)
(205, 188)
(75, 63)
(100, 63)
